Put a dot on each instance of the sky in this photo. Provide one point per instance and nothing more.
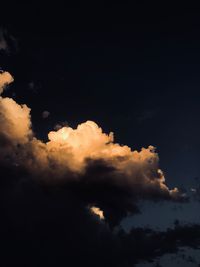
(99, 124)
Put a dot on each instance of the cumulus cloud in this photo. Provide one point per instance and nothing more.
(60, 199)
(14, 118)
(15, 121)
(103, 172)
(5, 79)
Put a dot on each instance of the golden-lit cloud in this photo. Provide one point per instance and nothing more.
(15, 122)
(85, 154)
(97, 212)
(5, 79)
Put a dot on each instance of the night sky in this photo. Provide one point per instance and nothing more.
(134, 71)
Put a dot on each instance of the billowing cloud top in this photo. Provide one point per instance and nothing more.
(97, 212)
(5, 78)
(107, 174)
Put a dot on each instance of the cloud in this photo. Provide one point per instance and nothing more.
(48, 225)
(3, 42)
(105, 173)
(14, 118)
(45, 114)
(60, 125)
(196, 193)
(5, 79)
(50, 192)
(15, 121)
(148, 244)
(8, 42)
(33, 87)
(97, 211)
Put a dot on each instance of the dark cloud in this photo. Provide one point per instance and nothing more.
(60, 125)
(104, 173)
(196, 193)
(105, 187)
(8, 43)
(146, 115)
(45, 114)
(47, 190)
(51, 225)
(195, 189)
(3, 43)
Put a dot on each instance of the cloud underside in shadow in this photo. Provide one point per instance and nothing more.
(106, 174)
(53, 226)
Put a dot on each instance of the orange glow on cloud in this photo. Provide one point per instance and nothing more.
(70, 149)
(5, 78)
(98, 212)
